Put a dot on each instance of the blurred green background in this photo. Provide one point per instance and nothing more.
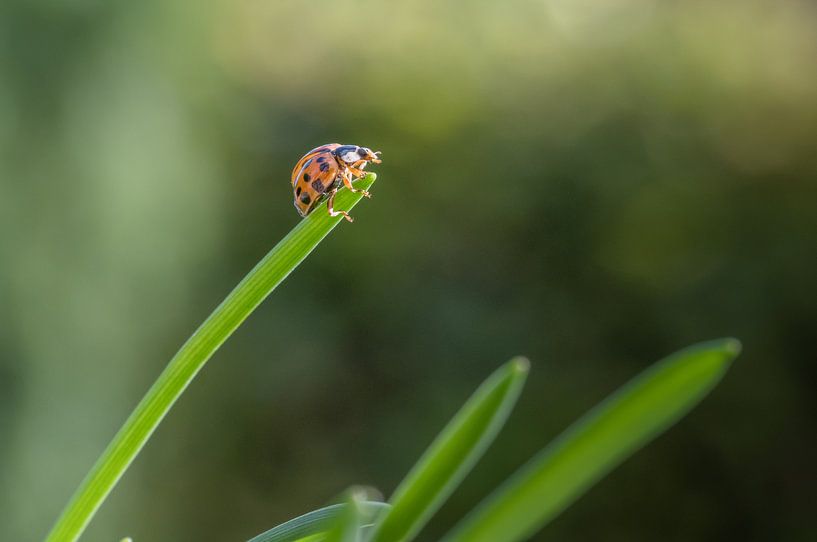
(592, 184)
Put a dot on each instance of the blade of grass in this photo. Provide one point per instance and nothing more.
(452, 454)
(192, 356)
(597, 443)
(317, 522)
(347, 524)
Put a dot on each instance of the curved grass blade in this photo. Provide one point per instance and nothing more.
(318, 522)
(347, 524)
(452, 454)
(597, 443)
(250, 292)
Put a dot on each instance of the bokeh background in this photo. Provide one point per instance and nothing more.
(592, 184)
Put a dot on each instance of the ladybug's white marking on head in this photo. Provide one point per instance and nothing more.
(350, 157)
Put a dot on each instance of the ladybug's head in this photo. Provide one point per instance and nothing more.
(352, 154)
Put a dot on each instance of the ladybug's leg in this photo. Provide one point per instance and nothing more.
(332, 212)
(357, 168)
(347, 182)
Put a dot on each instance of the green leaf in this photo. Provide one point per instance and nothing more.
(348, 523)
(192, 356)
(318, 522)
(453, 454)
(597, 443)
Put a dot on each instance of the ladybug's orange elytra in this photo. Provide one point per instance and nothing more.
(320, 173)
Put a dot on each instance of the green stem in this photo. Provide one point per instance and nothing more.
(189, 360)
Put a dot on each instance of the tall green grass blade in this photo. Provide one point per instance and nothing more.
(192, 356)
(317, 522)
(348, 523)
(453, 454)
(597, 443)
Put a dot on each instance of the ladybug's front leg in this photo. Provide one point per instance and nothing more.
(347, 182)
(357, 168)
(330, 207)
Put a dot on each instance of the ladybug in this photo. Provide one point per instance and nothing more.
(322, 171)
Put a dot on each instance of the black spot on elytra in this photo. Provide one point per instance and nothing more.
(324, 166)
(321, 159)
(306, 177)
(317, 185)
(305, 199)
(298, 191)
